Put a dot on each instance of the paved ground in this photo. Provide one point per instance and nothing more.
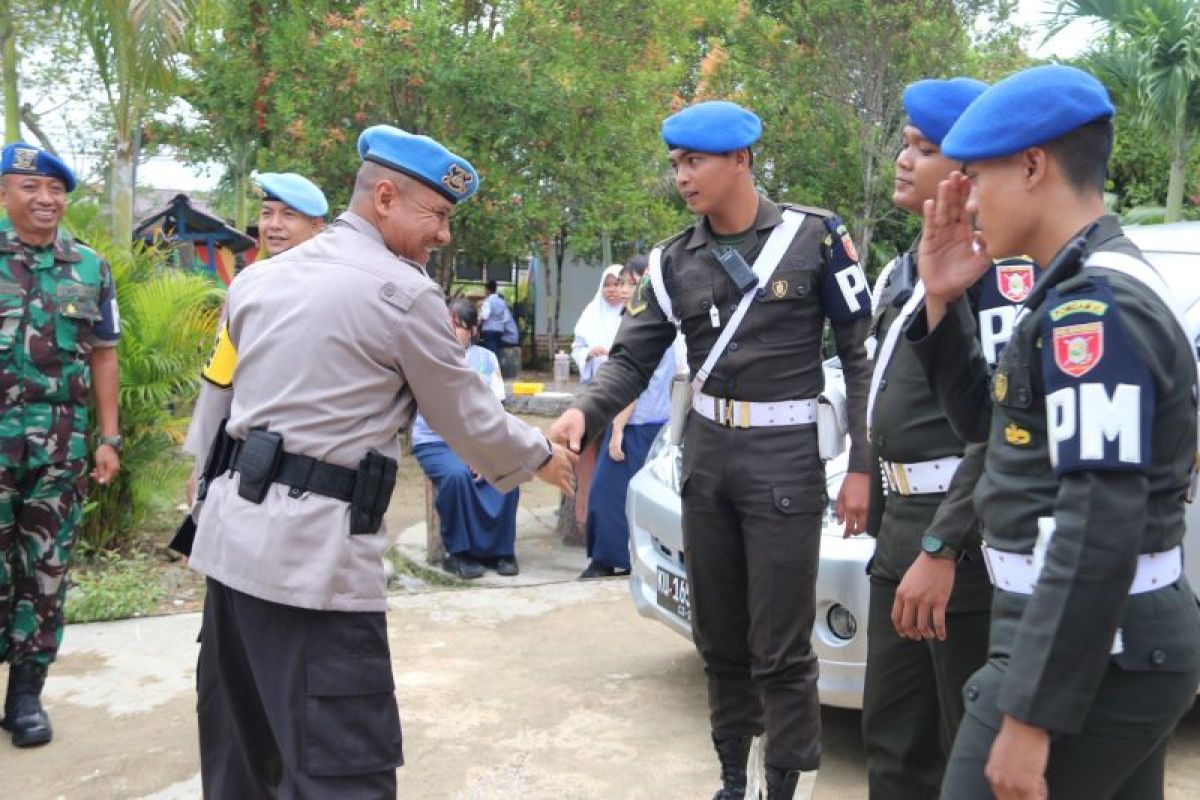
(539, 688)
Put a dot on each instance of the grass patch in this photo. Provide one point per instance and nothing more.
(422, 572)
(110, 586)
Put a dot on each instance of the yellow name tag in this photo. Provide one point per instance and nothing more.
(222, 362)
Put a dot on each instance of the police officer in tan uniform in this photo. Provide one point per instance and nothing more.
(1090, 423)
(753, 485)
(330, 348)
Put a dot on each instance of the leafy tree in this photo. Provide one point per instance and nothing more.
(1150, 58)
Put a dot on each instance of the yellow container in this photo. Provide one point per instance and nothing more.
(527, 388)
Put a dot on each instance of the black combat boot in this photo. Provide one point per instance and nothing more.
(733, 754)
(24, 716)
(781, 783)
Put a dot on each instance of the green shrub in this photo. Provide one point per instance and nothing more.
(112, 587)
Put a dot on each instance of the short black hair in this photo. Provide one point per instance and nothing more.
(1083, 154)
(465, 312)
(490, 286)
(637, 264)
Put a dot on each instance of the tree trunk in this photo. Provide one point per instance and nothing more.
(120, 190)
(12, 96)
(552, 286)
(1175, 186)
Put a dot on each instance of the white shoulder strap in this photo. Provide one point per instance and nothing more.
(884, 354)
(1145, 274)
(654, 270)
(764, 266)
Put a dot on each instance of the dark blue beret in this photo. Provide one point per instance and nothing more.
(934, 105)
(24, 159)
(294, 190)
(1028, 108)
(419, 157)
(714, 126)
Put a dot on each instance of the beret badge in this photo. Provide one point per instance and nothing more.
(457, 179)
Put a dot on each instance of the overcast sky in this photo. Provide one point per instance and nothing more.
(164, 171)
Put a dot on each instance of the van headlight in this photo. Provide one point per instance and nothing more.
(665, 463)
(842, 623)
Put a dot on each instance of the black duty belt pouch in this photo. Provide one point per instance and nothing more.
(184, 536)
(736, 268)
(258, 463)
(372, 492)
(220, 453)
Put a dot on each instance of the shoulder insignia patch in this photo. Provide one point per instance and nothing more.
(638, 303)
(1083, 306)
(1016, 435)
(223, 361)
(1078, 348)
(1014, 279)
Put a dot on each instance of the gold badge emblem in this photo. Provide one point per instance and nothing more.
(779, 288)
(24, 158)
(258, 191)
(1016, 435)
(457, 179)
(1000, 387)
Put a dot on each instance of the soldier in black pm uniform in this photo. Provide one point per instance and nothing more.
(753, 485)
(930, 594)
(1091, 439)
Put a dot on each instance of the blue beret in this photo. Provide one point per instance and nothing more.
(714, 126)
(934, 105)
(1028, 108)
(24, 159)
(294, 190)
(419, 157)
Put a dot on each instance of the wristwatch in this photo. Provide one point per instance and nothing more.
(936, 548)
(114, 441)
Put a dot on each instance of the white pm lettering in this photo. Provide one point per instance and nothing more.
(996, 328)
(851, 281)
(1097, 418)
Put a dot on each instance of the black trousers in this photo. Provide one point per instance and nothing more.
(753, 501)
(912, 697)
(294, 703)
(1119, 755)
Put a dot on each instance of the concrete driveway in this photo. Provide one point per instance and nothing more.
(542, 688)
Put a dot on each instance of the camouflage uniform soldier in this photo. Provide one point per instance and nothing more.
(58, 331)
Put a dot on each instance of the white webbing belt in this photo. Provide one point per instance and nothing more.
(772, 253)
(884, 354)
(923, 477)
(747, 414)
(1018, 572)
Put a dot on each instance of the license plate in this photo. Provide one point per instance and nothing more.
(673, 594)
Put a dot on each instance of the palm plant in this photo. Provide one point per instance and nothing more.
(167, 321)
(134, 44)
(1150, 58)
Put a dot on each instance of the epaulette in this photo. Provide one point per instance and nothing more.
(665, 243)
(813, 210)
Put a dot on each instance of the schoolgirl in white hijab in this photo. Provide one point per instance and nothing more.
(597, 326)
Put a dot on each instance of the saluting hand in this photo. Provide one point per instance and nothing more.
(951, 255)
(560, 469)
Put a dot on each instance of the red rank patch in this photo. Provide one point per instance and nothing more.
(1014, 281)
(1078, 348)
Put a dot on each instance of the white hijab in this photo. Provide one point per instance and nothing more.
(597, 326)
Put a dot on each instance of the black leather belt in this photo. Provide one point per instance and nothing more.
(306, 474)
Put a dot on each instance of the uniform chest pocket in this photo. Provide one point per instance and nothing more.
(12, 309)
(1012, 381)
(695, 301)
(78, 310)
(788, 284)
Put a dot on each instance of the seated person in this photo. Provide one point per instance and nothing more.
(622, 453)
(478, 523)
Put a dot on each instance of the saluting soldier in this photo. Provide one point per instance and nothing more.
(59, 329)
(753, 486)
(292, 211)
(930, 595)
(1091, 445)
(330, 348)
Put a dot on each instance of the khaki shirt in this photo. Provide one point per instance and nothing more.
(338, 342)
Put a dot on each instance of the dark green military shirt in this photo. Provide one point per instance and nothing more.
(52, 313)
(1091, 421)
(776, 353)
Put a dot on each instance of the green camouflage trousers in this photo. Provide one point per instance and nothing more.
(40, 508)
